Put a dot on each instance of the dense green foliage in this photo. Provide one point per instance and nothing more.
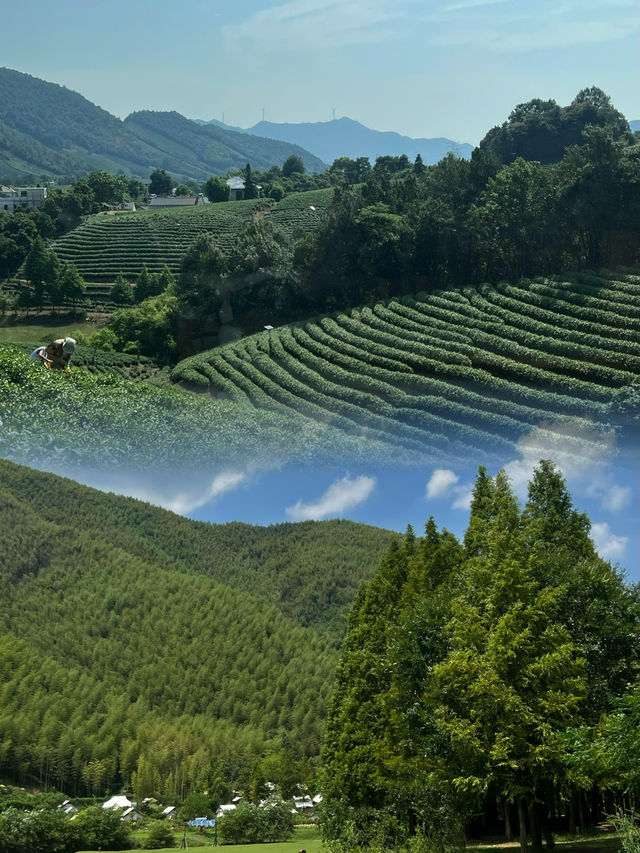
(542, 130)
(111, 422)
(139, 648)
(252, 824)
(453, 371)
(462, 223)
(466, 666)
(51, 831)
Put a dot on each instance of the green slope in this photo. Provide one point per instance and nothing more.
(48, 130)
(457, 371)
(137, 639)
(104, 246)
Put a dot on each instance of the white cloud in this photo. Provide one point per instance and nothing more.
(578, 450)
(441, 482)
(176, 498)
(608, 545)
(341, 495)
(464, 496)
(301, 24)
(471, 4)
(184, 502)
(616, 498)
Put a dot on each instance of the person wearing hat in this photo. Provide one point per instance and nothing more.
(63, 349)
(41, 354)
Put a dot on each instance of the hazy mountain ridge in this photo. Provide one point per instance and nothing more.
(345, 137)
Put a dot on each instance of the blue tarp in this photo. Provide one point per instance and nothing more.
(202, 821)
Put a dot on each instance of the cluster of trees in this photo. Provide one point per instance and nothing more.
(50, 280)
(253, 824)
(50, 831)
(537, 208)
(488, 679)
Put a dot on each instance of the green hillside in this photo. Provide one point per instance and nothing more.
(453, 371)
(48, 130)
(133, 641)
(104, 246)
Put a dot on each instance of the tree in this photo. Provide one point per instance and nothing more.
(160, 182)
(466, 673)
(71, 285)
(250, 186)
(293, 165)
(41, 267)
(122, 292)
(250, 824)
(216, 189)
(182, 190)
(160, 836)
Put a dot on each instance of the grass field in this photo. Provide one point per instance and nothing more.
(43, 331)
(309, 840)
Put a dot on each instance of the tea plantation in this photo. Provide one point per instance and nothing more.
(453, 372)
(106, 245)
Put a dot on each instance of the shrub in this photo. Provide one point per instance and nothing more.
(160, 835)
(250, 824)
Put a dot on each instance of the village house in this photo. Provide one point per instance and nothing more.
(118, 802)
(236, 188)
(156, 201)
(15, 198)
(131, 815)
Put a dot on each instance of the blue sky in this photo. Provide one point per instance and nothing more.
(426, 68)
(605, 486)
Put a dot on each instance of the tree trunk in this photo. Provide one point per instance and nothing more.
(536, 829)
(508, 831)
(522, 819)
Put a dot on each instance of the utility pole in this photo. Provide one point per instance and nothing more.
(263, 114)
(334, 113)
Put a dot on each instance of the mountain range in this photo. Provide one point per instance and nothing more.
(344, 137)
(48, 131)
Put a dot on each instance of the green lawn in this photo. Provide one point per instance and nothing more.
(44, 331)
(308, 838)
(305, 838)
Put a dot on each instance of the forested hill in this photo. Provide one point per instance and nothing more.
(48, 130)
(139, 648)
(308, 570)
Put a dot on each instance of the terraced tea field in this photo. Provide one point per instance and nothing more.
(105, 245)
(451, 373)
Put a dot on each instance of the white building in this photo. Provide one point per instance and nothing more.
(13, 198)
(120, 802)
(236, 188)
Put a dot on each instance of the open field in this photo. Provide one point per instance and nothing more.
(312, 844)
(43, 331)
(453, 371)
(104, 246)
